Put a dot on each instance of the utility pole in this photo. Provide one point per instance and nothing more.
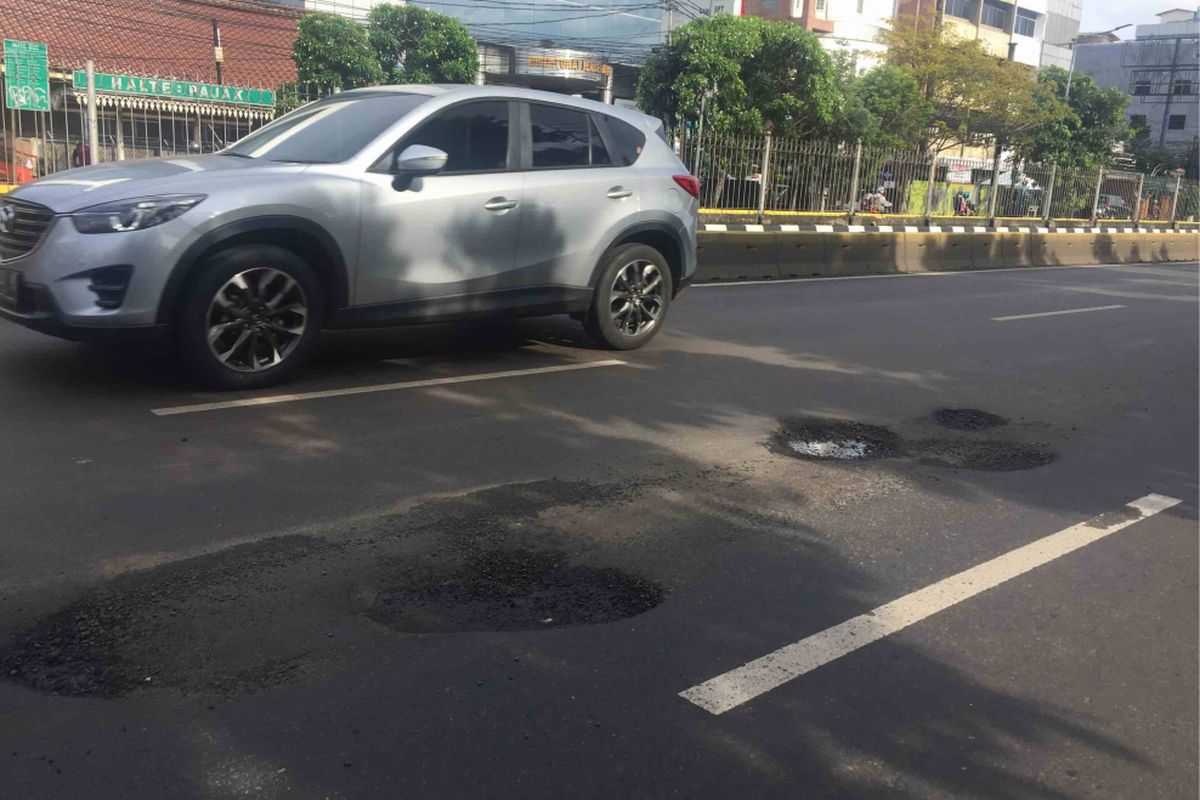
(93, 130)
(1073, 44)
(1166, 118)
(1000, 151)
(218, 51)
(670, 19)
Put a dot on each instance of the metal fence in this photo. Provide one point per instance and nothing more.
(38, 143)
(774, 175)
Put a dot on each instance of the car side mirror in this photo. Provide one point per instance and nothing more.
(419, 159)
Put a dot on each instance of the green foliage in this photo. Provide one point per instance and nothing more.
(414, 45)
(750, 73)
(1085, 135)
(883, 107)
(971, 95)
(1151, 158)
(333, 52)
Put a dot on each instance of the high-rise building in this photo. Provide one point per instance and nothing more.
(1159, 70)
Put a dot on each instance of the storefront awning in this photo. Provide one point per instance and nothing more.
(173, 106)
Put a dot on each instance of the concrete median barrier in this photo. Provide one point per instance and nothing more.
(987, 251)
(1062, 249)
(753, 255)
(802, 255)
(735, 256)
(1125, 248)
(935, 252)
(1014, 249)
(1179, 246)
(1154, 246)
(861, 254)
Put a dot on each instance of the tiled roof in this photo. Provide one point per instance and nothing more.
(161, 38)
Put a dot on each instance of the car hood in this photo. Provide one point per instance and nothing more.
(88, 186)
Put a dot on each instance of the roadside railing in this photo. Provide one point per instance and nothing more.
(777, 176)
(34, 144)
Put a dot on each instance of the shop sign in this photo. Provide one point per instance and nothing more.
(177, 90)
(958, 172)
(564, 63)
(26, 76)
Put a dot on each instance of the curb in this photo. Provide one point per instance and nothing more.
(710, 227)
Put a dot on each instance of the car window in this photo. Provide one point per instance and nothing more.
(474, 136)
(565, 137)
(627, 140)
(328, 131)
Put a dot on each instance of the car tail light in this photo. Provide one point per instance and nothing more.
(689, 183)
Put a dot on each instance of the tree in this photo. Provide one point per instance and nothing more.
(972, 96)
(333, 52)
(749, 73)
(884, 107)
(1085, 136)
(415, 45)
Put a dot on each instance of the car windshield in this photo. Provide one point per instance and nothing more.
(326, 132)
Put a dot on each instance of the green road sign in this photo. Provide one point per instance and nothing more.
(26, 76)
(178, 90)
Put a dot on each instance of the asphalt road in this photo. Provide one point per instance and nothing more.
(501, 587)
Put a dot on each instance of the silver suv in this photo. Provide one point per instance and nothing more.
(376, 206)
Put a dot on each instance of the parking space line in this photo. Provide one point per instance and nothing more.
(381, 387)
(1054, 313)
(733, 688)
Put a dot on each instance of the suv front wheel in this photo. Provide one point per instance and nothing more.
(251, 319)
(631, 298)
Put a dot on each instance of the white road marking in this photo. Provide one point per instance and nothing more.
(382, 387)
(1054, 313)
(761, 675)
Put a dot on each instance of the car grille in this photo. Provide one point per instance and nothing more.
(28, 226)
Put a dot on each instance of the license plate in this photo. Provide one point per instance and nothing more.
(10, 287)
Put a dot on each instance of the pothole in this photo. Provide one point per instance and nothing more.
(509, 590)
(994, 456)
(967, 419)
(840, 440)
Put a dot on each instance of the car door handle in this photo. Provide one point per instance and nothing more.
(619, 193)
(500, 204)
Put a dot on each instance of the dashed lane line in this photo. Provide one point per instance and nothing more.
(1054, 313)
(275, 399)
(738, 686)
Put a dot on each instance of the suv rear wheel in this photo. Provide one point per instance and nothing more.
(631, 298)
(251, 319)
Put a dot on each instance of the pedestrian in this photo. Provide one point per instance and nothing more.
(81, 156)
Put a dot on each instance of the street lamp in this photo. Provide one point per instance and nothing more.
(1071, 44)
(1066, 99)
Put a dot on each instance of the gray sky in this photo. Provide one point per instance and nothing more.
(1101, 15)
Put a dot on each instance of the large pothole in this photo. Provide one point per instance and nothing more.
(831, 439)
(507, 590)
(993, 456)
(844, 440)
(967, 419)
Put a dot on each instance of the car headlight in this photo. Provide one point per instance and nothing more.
(133, 215)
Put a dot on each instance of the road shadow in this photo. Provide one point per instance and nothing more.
(264, 665)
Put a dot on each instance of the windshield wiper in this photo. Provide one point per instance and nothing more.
(298, 161)
(235, 155)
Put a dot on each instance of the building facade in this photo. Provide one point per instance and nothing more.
(999, 25)
(1062, 26)
(1159, 71)
(162, 85)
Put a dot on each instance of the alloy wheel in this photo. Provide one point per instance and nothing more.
(256, 319)
(636, 300)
